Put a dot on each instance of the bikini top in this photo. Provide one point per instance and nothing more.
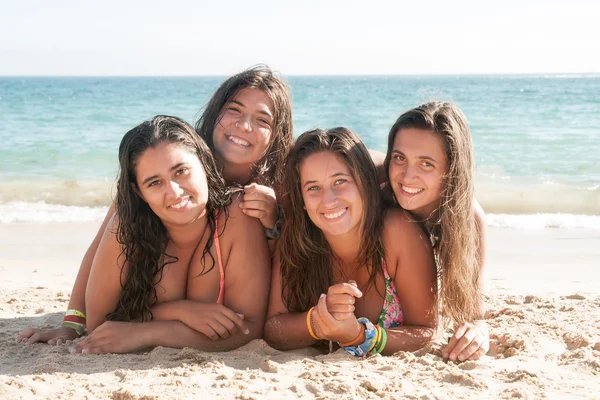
(391, 314)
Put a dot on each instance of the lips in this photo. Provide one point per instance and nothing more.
(238, 140)
(411, 190)
(181, 203)
(335, 215)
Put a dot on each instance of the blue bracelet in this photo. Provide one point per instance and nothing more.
(370, 333)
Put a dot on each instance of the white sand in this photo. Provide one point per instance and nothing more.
(544, 317)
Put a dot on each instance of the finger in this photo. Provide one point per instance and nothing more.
(253, 195)
(322, 313)
(471, 348)
(343, 316)
(345, 299)
(340, 308)
(56, 341)
(254, 204)
(462, 343)
(458, 334)
(344, 288)
(237, 319)
(26, 334)
(36, 337)
(254, 213)
(220, 330)
(480, 352)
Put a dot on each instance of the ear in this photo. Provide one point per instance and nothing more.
(304, 207)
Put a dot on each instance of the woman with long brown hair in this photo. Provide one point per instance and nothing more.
(247, 124)
(346, 271)
(171, 268)
(430, 168)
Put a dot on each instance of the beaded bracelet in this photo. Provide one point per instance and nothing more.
(75, 320)
(309, 324)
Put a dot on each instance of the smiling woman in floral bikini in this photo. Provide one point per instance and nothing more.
(346, 272)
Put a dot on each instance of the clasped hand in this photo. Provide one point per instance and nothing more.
(333, 317)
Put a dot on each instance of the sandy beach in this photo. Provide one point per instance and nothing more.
(543, 312)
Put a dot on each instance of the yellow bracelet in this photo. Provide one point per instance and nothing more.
(377, 337)
(309, 325)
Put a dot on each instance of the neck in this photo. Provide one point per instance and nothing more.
(240, 174)
(346, 248)
(428, 213)
(188, 236)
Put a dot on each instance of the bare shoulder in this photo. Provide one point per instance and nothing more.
(398, 224)
(235, 223)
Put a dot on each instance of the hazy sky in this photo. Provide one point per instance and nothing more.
(219, 37)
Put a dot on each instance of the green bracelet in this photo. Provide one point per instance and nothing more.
(383, 341)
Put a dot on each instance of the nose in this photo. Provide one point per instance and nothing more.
(329, 198)
(410, 173)
(174, 190)
(244, 123)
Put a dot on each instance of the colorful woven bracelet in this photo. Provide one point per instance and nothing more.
(370, 335)
(309, 324)
(75, 320)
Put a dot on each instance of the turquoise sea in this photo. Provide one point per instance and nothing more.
(536, 137)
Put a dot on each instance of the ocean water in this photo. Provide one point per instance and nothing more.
(536, 138)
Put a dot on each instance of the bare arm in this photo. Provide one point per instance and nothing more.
(77, 300)
(416, 281)
(481, 242)
(284, 330)
(247, 277)
(104, 282)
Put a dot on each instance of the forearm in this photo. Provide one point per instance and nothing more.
(409, 338)
(288, 331)
(176, 334)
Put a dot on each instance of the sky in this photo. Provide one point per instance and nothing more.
(304, 37)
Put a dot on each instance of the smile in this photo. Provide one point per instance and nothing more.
(336, 214)
(184, 202)
(411, 190)
(238, 140)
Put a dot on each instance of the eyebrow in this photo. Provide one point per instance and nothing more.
(267, 113)
(332, 176)
(420, 157)
(151, 178)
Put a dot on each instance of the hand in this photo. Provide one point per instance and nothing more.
(113, 337)
(51, 336)
(260, 202)
(328, 328)
(213, 320)
(470, 342)
(340, 300)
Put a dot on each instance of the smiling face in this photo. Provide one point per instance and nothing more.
(172, 181)
(243, 132)
(330, 194)
(417, 168)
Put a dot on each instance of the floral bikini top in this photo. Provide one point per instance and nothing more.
(391, 314)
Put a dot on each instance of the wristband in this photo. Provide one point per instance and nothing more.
(309, 324)
(75, 320)
(362, 350)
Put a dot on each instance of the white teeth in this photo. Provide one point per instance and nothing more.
(182, 203)
(239, 141)
(411, 190)
(335, 215)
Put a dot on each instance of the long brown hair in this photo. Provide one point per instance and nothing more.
(305, 256)
(453, 223)
(140, 231)
(269, 169)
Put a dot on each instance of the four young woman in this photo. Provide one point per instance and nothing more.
(347, 270)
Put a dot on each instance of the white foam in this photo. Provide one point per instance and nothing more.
(41, 212)
(541, 221)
